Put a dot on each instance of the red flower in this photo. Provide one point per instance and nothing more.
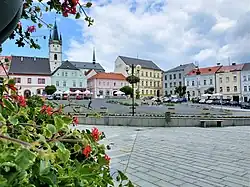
(107, 157)
(86, 151)
(47, 109)
(69, 7)
(21, 100)
(31, 28)
(96, 134)
(75, 121)
(12, 87)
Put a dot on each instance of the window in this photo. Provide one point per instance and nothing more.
(187, 83)
(174, 76)
(142, 83)
(55, 56)
(248, 77)
(66, 74)
(245, 88)
(174, 84)
(170, 77)
(166, 77)
(235, 78)
(170, 84)
(171, 92)
(114, 84)
(166, 92)
(74, 83)
(192, 83)
(41, 81)
(221, 89)
(205, 82)
(227, 79)
(62, 73)
(146, 83)
(121, 83)
(158, 75)
(151, 92)
(235, 88)
(80, 84)
(179, 75)
(150, 74)
(211, 81)
(146, 74)
(57, 83)
(220, 79)
(142, 73)
(142, 92)
(193, 93)
(64, 83)
(180, 83)
(107, 92)
(249, 88)
(100, 92)
(166, 85)
(17, 80)
(58, 74)
(158, 83)
(29, 80)
(99, 83)
(154, 92)
(244, 78)
(228, 89)
(146, 92)
(150, 84)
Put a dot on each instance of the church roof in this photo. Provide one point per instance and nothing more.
(55, 35)
(88, 65)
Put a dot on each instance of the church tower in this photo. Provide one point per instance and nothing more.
(55, 49)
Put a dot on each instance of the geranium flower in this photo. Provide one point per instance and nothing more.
(95, 134)
(22, 101)
(47, 109)
(31, 28)
(12, 87)
(107, 157)
(86, 151)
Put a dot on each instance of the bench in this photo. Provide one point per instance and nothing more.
(218, 122)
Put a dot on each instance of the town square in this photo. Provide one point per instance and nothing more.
(134, 93)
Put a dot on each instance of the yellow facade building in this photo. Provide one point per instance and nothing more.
(150, 74)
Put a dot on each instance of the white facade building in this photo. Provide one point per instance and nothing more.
(245, 82)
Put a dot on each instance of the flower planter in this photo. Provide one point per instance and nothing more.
(12, 10)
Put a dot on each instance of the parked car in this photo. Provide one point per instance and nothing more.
(195, 100)
(79, 97)
(234, 103)
(57, 96)
(216, 102)
(202, 101)
(50, 97)
(245, 105)
(65, 97)
(226, 102)
(166, 100)
(209, 101)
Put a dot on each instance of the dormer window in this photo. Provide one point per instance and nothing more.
(55, 56)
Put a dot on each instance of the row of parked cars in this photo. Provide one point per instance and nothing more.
(174, 100)
(225, 102)
(66, 97)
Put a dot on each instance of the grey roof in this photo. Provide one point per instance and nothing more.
(29, 65)
(179, 68)
(246, 67)
(144, 63)
(88, 65)
(66, 65)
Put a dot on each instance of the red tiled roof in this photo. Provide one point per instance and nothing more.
(112, 76)
(208, 70)
(237, 67)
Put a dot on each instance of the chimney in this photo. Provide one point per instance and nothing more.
(94, 61)
(21, 59)
(233, 64)
(218, 64)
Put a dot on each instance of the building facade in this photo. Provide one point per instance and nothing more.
(245, 82)
(68, 77)
(31, 74)
(228, 81)
(175, 77)
(5, 68)
(150, 74)
(199, 80)
(106, 84)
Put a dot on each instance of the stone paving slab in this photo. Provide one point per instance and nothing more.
(184, 157)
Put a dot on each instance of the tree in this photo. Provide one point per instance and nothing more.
(180, 90)
(127, 90)
(209, 90)
(50, 89)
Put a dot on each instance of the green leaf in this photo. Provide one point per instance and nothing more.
(2, 119)
(40, 25)
(51, 128)
(9, 105)
(13, 120)
(77, 147)
(47, 133)
(63, 155)
(67, 120)
(122, 175)
(60, 146)
(44, 168)
(59, 123)
(25, 158)
(129, 184)
(78, 15)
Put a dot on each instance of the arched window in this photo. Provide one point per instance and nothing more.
(55, 56)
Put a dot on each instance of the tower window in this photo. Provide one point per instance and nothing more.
(55, 56)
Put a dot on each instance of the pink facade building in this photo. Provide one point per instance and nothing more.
(106, 84)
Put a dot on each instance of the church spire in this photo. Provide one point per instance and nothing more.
(94, 61)
(55, 35)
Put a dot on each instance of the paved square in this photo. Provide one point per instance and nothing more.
(185, 157)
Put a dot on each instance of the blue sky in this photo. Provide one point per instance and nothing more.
(169, 32)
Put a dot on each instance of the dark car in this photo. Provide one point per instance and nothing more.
(234, 103)
(226, 102)
(245, 105)
(216, 102)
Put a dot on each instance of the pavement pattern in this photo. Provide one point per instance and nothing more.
(180, 157)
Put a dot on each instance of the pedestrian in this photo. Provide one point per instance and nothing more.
(89, 105)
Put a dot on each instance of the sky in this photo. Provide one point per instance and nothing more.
(168, 32)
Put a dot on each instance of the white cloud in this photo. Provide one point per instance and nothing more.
(168, 32)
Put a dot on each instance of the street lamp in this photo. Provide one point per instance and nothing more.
(133, 79)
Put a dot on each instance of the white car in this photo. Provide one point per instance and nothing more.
(209, 101)
(202, 101)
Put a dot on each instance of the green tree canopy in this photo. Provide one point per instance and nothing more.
(50, 89)
(180, 90)
(127, 90)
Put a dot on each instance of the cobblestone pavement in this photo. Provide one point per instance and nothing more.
(185, 157)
